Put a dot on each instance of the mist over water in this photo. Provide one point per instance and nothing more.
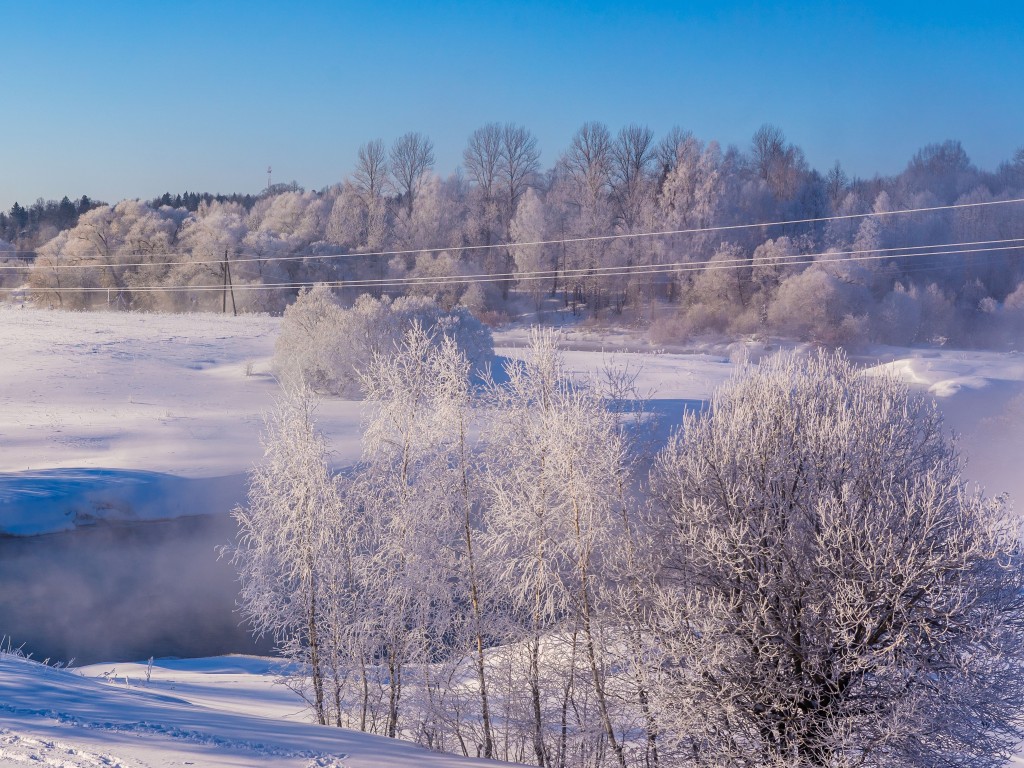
(124, 592)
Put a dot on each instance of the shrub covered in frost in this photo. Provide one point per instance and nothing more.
(327, 346)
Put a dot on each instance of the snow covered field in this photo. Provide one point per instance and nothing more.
(146, 416)
(125, 417)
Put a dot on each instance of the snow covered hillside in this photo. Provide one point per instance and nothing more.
(180, 394)
(981, 396)
(214, 713)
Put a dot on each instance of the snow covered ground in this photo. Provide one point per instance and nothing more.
(141, 416)
(981, 396)
(144, 416)
(125, 417)
(160, 393)
(131, 417)
(213, 713)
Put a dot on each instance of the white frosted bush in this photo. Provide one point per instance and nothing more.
(812, 305)
(328, 347)
(835, 593)
(309, 345)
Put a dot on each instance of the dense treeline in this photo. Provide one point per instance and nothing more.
(191, 201)
(24, 229)
(803, 580)
(28, 227)
(915, 277)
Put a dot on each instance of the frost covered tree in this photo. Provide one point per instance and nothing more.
(423, 478)
(112, 250)
(555, 513)
(690, 196)
(289, 531)
(482, 159)
(776, 162)
(824, 303)
(836, 184)
(410, 599)
(328, 346)
(944, 170)
(587, 169)
(721, 291)
(501, 161)
(434, 222)
(214, 231)
(834, 594)
(310, 346)
(530, 225)
(518, 162)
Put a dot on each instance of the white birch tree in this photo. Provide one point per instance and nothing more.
(554, 491)
(288, 533)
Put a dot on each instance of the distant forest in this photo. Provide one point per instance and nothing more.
(504, 236)
(28, 228)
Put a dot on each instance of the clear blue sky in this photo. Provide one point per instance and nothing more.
(116, 99)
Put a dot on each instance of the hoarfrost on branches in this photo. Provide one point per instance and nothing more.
(834, 594)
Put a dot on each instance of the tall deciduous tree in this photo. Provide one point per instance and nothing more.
(425, 417)
(777, 162)
(588, 162)
(482, 158)
(632, 155)
(530, 225)
(557, 469)
(371, 174)
(411, 156)
(501, 159)
(519, 159)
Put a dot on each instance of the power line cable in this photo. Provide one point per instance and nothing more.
(538, 243)
(652, 269)
(219, 263)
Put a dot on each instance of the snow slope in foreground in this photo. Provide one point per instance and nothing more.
(205, 712)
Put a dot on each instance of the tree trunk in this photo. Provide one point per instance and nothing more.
(314, 655)
(538, 730)
(474, 596)
(602, 700)
(395, 693)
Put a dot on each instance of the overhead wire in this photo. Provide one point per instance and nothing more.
(507, 245)
(592, 271)
(827, 257)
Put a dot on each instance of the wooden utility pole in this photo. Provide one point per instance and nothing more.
(228, 285)
(231, 286)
